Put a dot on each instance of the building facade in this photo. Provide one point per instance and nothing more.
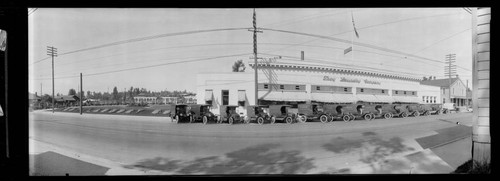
(452, 90)
(294, 82)
(481, 147)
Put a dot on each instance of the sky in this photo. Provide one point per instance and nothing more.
(172, 61)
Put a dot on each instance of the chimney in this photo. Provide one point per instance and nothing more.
(302, 55)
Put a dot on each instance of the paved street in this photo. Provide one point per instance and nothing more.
(155, 145)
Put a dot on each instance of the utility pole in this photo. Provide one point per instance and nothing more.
(81, 94)
(450, 70)
(51, 51)
(255, 31)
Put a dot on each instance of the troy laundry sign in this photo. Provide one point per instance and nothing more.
(351, 80)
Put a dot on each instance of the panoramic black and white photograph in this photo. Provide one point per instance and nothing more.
(257, 91)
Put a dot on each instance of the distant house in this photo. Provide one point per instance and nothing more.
(452, 90)
(69, 100)
(145, 98)
(34, 100)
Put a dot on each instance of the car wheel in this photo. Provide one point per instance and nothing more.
(177, 119)
(260, 120)
(387, 115)
(273, 119)
(205, 119)
(288, 120)
(230, 120)
(323, 118)
(302, 118)
(191, 119)
(246, 120)
(416, 114)
(352, 117)
(404, 115)
(367, 117)
(346, 118)
(427, 113)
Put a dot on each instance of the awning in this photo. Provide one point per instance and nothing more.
(367, 98)
(241, 95)
(208, 95)
(385, 98)
(333, 98)
(283, 96)
(407, 99)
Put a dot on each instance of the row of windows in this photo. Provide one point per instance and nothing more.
(404, 92)
(283, 87)
(335, 89)
(429, 99)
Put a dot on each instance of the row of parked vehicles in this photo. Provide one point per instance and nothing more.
(262, 114)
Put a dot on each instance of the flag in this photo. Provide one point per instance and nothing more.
(355, 31)
(347, 50)
(3, 40)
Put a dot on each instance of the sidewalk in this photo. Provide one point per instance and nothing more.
(50, 160)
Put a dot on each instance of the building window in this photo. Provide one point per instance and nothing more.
(423, 98)
(444, 101)
(362, 90)
(404, 92)
(266, 86)
(206, 102)
(282, 86)
(412, 93)
(297, 87)
(383, 91)
(345, 89)
(225, 97)
(241, 103)
(318, 88)
(397, 92)
(443, 91)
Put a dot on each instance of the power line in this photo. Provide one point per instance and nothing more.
(147, 38)
(409, 19)
(151, 66)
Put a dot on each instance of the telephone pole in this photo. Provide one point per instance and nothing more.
(450, 70)
(81, 94)
(51, 51)
(255, 31)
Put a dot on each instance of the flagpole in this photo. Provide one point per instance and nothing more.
(352, 40)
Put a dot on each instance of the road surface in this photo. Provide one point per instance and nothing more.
(156, 145)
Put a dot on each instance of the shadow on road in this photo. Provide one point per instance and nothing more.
(259, 159)
(371, 148)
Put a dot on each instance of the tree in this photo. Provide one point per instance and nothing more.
(239, 66)
(425, 78)
(89, 96)
(115, 94)
(72, 92)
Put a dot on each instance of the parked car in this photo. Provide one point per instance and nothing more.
(257, 113)
(335, 111)
(378, 111)
(282, 113)
(357, 111)
(201, 112)
(228, 114)
(449, 107)
(182, 113)
(311, 112)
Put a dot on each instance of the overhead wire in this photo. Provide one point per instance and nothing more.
(144, 38)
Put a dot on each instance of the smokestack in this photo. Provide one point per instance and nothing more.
(302, 55)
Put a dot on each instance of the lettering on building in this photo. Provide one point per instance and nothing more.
(327, 78)
(371, 82)
(343, 79)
